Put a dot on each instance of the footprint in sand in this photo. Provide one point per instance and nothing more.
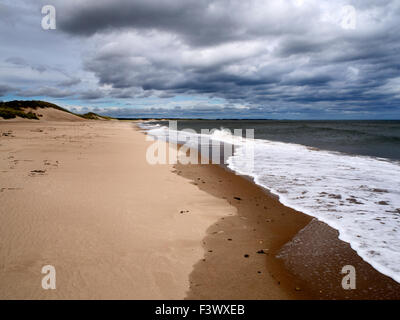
(50, 163)
(34, 173)
(9, 189)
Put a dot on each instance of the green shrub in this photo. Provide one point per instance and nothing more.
(10, 113)
(17, 108)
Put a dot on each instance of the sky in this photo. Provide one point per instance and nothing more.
(276, 59)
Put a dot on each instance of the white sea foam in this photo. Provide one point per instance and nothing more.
(357, 195)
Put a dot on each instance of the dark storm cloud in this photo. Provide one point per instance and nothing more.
(5, 89)
(105, 15)
(288, 55)
(46, 92)
(18, 61)
(198, 22)
(91, 95)
(69, 82)
(270, 56)
(300, 45)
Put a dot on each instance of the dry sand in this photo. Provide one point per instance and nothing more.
(109, 222)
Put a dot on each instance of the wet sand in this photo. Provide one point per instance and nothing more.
(240, 249)
(304, 256)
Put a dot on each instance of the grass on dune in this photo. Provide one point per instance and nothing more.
(94, 116)
(11, 111)
(17, 108)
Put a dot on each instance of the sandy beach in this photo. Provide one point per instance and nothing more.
(80, 195)
(293, 105)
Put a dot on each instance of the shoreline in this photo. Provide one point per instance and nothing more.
(247, 273)
(313, 256)
(82, 197)
(239, 249)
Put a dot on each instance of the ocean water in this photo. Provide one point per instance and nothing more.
(345, 173)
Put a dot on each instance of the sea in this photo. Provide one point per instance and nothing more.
(344, 173)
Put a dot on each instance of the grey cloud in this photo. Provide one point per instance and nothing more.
(91, 95)
(45, 91)
(4, 89)
(187, 18)
(69, 82)
(197, 22)
(300, 45)
(309, 62)
(269, 55)
(18, 61)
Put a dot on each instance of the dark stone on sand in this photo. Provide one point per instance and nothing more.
(38, 171)
(246, 255)
(237, 198)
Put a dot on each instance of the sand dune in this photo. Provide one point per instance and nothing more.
(47, 114)
(51, 114)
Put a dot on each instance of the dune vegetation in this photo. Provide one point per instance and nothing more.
(26, 109)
